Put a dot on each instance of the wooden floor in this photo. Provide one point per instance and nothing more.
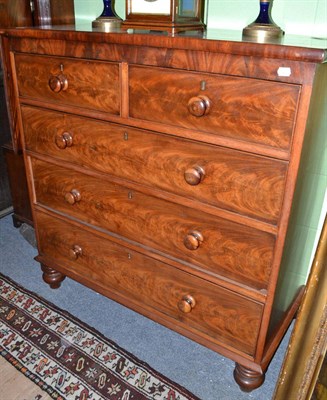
(15, 386)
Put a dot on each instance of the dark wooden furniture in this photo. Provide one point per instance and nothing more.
(5, 197)
(18, 186)
(162, 172)
(53, 12)
(12, 13)
(15, 13)
(13, 184)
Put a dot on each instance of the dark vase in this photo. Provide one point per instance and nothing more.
(264, 16)
(263, 29)
(107, 9)
(108, 21)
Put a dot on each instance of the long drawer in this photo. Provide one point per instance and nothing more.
(254, 110)
(214, 244)
(200, 306)
(83, 83)
(243, 183)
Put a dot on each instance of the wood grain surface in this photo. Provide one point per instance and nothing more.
(235, 181)
(86, 84)
(252, 110)
(228, 318)
(183, 150)
(140, 42)
(228, 249)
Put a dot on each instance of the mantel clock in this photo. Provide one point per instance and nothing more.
(164, 15)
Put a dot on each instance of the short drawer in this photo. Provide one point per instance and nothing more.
(214, 244)
(246, 109)
(240, 182)
(88, 84)
(197, 305)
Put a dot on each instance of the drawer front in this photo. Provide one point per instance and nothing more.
(215, 244)
(232, 180)
(246, 109)
(88, 84)
(219, 313)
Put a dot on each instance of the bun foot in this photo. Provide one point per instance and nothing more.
(52, 277)
(247, 379)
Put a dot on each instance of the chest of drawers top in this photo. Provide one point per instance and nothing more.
(201, 92)
(232, 93)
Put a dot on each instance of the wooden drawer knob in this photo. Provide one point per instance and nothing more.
(73, 196)
(58, 83)
(193, 176)
(199, 105)
(75, 252)
(193, 240)
(64, 140)
(186, 304)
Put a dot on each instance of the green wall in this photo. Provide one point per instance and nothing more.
(310, 196)
(294, 16)
(297, 17)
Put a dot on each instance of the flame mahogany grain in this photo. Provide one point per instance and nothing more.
(162, 172)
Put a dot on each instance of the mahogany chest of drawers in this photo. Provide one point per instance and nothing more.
(162, 171)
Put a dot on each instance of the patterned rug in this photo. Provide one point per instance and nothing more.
(67, 359)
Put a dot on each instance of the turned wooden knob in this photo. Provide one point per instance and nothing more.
(58, 83)
(193, 240)
(193, 176)
(73, 196)
(64, 140)
(199, 105)
(75, 252)
(186, 304)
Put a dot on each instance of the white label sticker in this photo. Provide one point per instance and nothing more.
(284, 71)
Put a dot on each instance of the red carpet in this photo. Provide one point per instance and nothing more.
(68, 359)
